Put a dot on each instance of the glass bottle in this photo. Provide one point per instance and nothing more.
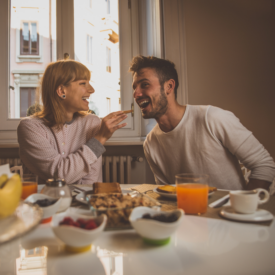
(57, 188)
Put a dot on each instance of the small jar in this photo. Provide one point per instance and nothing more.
(57, 188)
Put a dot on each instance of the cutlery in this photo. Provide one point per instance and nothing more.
(220, 202)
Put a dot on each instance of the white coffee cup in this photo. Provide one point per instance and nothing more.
(246, 202)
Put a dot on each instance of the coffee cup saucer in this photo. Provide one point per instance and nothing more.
(261, 215)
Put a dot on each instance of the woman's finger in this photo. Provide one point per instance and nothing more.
(118, 126)
(114, 121)
(118, 119)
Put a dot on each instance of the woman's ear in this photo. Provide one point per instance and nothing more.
(60, 92)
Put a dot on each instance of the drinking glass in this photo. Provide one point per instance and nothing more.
(29, 185)
(192, 193)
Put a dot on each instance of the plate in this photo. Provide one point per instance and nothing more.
(80, 197)
(25, 218)
(172, 196)
(260, 215)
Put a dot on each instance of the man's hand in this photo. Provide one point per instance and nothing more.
(255, 183)
(109, 125)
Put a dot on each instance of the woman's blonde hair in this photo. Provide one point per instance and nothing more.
(61, 72)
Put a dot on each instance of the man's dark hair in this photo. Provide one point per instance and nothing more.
(165, 69)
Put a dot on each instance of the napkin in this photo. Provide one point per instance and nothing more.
(5, 169)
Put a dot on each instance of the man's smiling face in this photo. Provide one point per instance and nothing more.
(149, 94)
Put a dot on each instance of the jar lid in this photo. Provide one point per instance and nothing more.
(56, 182)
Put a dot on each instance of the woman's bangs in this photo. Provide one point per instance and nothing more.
(82, 73)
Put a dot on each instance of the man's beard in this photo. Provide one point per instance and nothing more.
(161, 106)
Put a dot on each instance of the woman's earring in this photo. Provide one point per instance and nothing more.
(63, 96)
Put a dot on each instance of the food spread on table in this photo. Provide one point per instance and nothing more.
(118, 206)
(107, 199)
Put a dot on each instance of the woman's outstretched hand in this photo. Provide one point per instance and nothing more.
(109, 125)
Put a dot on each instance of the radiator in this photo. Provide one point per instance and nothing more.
(114, 168)
(11, 161)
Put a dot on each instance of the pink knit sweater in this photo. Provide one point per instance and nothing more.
(71, 153)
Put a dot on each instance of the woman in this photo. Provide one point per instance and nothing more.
(63, 140)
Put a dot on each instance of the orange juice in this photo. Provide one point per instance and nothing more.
(28, 189)
(192, 198)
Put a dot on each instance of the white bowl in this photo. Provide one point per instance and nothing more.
(152, 231)
(77, 239)
(48, 211)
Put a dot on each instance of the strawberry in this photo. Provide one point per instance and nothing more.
(90, 225)
(76, 224)
(82, 222)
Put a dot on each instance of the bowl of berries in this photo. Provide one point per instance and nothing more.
(77, 231)
(155, 226)
(48, 204)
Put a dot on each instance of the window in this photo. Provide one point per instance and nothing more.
(27, 99)
(89, 49)
(108, 60)
(25, 71)
(29, 39)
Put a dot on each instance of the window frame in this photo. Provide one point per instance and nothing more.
(21, 39)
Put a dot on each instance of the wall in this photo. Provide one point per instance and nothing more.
(230, 50)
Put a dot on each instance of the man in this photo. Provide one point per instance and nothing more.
(194, 139)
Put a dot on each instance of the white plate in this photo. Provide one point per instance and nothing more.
(81, 198)
(172, 196)
(260, 215)
(25, 218)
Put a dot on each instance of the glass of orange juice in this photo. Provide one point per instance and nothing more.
(29, 185)
(192, 193)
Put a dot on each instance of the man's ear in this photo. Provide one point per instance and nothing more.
(169, 86)
(60, 91)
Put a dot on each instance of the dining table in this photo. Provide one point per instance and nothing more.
(202, 244)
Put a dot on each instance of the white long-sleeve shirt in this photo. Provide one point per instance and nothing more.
(208, 140)
(71, 153)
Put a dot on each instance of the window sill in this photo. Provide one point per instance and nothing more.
(125, 141)
(29, 58)
(112, 142)
(9, 145)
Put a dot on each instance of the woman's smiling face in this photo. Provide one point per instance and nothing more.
(149, 94)
(77, 96)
